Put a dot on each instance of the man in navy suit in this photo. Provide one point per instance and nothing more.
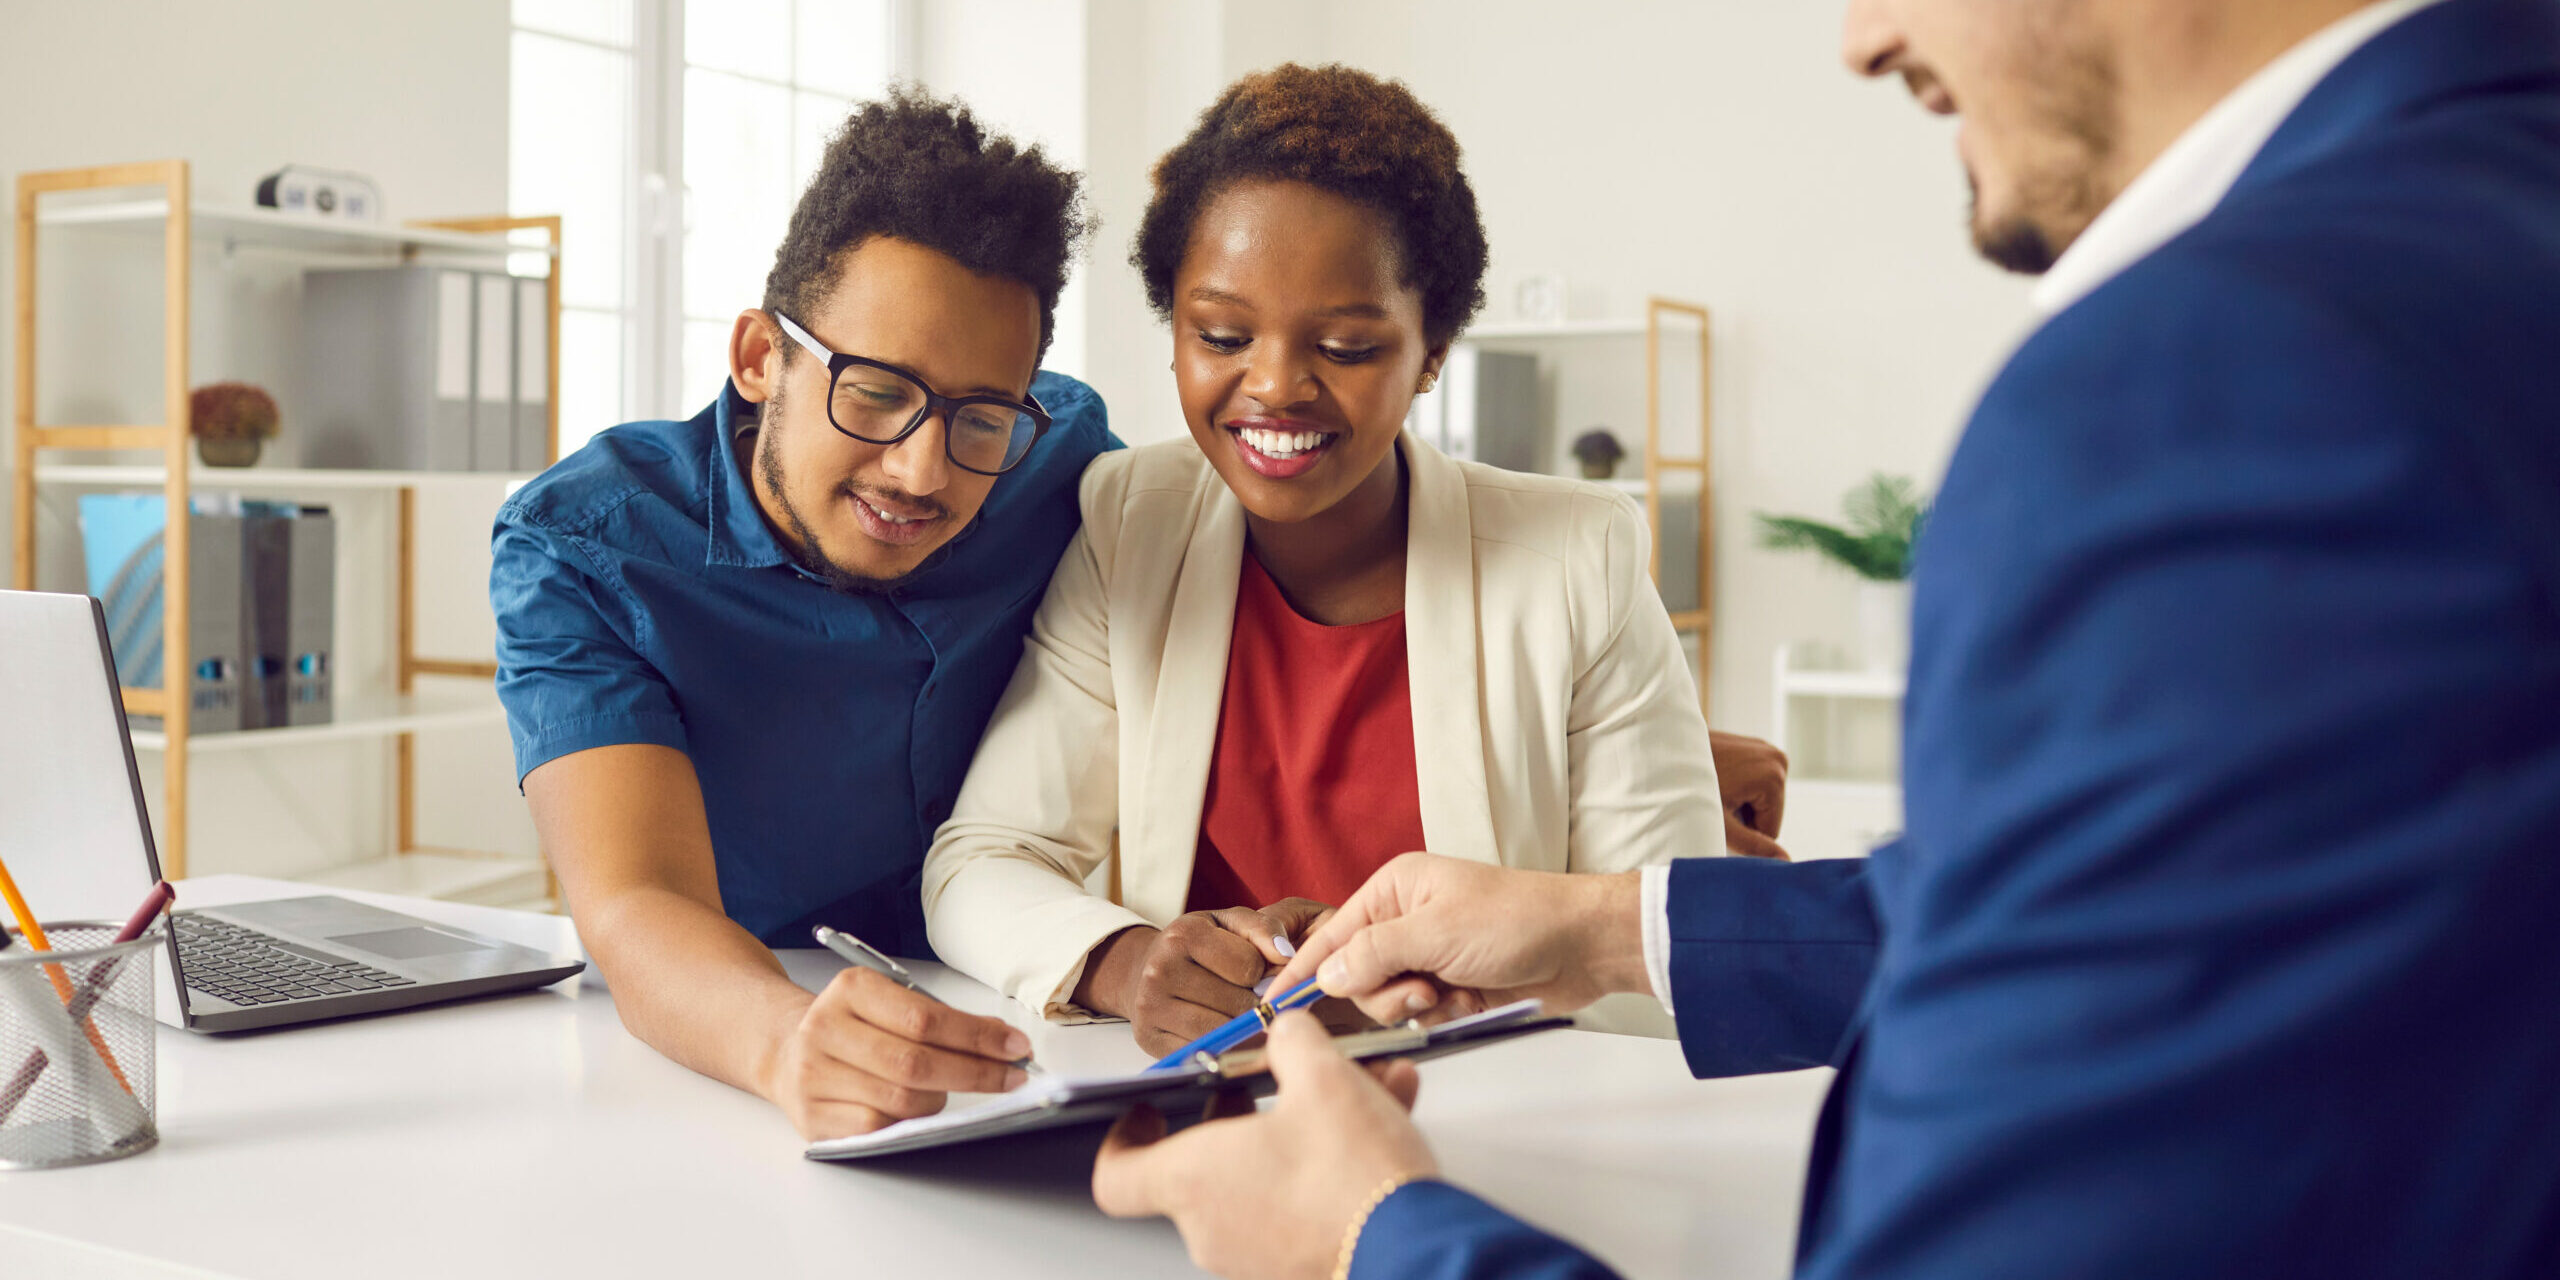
(2224, 938)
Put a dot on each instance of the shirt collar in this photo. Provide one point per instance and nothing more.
(739, 535)
(2197, 170)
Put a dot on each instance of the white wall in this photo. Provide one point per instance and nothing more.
(417, 98)
(1019, 65)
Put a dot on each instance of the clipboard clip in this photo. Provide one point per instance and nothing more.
(1358, 1046)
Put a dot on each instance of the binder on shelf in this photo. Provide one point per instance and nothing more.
(493, 373)
(123, 542)
(267, 611)
(217, 693)
(290, 604)
(311, 617)
(533, 375)
(414, 368)
(1485, 409)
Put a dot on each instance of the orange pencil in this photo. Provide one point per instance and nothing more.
(61, 981)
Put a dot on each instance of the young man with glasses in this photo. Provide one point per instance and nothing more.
(746, 658)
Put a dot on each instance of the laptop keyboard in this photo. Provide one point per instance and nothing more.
(246, 967)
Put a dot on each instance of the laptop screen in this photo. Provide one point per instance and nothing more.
(72, 825)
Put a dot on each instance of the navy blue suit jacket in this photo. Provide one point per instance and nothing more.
(2224, 938)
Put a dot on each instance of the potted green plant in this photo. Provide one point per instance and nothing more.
(1598, 452)
(1882, 521)
(230, 421)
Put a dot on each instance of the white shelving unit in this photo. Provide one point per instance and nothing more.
(1559, 329)
(267, 478)
(1664, 477)
(1832, 815)
(176, 229)
(246, 226)
(355, 719)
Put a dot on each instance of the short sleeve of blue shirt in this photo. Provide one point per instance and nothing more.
(569, 643)
(642, 597)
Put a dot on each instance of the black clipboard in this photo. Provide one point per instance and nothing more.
(1053, 1103)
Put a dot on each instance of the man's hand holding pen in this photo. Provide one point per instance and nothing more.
(1282, 1191)
(869, 1052)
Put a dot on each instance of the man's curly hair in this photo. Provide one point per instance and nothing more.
(1343, 131)
(922, 168)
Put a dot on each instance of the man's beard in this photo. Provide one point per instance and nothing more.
(2062, 190)
(805, 550)
(2013, 244)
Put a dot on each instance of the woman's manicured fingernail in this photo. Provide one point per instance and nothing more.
(1017, 1045)
(1416, 1003)
(1014, 1079)
(1333, 974)
(1280, 943)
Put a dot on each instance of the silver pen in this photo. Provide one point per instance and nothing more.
(855, 951)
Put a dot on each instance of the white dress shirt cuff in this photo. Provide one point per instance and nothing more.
(1654, 904)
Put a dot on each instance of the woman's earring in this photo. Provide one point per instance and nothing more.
(1430, 379)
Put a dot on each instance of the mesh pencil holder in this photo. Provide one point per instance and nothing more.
(77, 1047)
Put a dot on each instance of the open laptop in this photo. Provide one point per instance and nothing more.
(75, 835)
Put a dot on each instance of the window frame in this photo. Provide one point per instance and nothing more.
(652, 314)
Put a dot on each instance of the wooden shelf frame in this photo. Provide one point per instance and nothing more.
(1700, 620)
(171, 440)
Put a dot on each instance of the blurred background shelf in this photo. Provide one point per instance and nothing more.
(454, 877)
(361, 717)
(1798, 682)
(1841, 729)
(1557, 329)
(248, 225)
(203, 477)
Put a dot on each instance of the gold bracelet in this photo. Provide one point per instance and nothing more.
(1359, 1220)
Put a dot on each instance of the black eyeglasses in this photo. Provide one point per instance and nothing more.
(879, 403)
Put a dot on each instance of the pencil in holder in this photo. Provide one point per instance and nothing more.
(77, 1047)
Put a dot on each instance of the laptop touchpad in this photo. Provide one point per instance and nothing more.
(407, 944)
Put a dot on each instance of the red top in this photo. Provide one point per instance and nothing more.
(1312, 784)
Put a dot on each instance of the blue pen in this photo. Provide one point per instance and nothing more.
(1244, 1026)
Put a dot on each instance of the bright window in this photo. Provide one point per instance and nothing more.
(673, 141)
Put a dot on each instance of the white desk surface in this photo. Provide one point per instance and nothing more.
(530, 1135)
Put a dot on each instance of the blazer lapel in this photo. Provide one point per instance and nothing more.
(1442, 660)
(1182, 732)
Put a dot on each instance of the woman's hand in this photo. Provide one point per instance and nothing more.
(1181, 982)
(1753, 777)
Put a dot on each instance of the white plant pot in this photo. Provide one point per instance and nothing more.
(1884, 625)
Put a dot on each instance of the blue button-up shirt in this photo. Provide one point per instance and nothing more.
(641, 597)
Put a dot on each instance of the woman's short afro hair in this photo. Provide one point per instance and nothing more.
(923, 169)
(1343, 131)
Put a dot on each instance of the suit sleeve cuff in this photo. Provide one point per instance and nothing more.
(1433, 1229)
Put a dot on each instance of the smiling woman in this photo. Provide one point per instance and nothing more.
(1302, 642)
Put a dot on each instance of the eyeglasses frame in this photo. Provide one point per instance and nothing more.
(935, 403)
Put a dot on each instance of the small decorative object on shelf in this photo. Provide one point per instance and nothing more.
(1599, 453)
(321, 193)
(1884, 518)
(230, 420)
(1539, 299)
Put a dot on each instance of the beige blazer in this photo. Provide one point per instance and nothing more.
(1555, 723)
